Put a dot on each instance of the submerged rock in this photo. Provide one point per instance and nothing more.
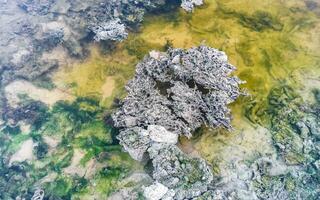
(38, 195)
(294, 128)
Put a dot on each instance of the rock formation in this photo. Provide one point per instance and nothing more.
(173, 94)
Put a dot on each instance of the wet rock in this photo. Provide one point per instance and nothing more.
(36, 7)
(314, 126)
(136, 141)
(169, 159)
(311, 5)
(49, 39)
(38, 195)
(304, 131)
(187, 177)
(270, 167)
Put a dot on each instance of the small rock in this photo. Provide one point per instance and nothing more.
(160, 134)
(155, 54)
(155, 191)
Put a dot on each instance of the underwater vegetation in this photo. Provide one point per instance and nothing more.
(74, 127)
(258, 21)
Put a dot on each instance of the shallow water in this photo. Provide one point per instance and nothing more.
(270, 42)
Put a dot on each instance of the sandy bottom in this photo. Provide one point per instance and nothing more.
(108, 87)
(75, 168)
(24, 153)
(20, 87)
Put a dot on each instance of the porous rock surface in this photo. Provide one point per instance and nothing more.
(172, 94)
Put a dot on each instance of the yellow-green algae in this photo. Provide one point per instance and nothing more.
(88, 77)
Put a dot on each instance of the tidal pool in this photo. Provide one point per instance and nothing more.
(272, 44)
(275, 46)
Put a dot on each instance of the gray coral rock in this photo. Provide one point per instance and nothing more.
(135, 141)
(180, 90)
(174, 93)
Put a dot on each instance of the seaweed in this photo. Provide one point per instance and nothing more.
(60, 188)
(260, 21)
